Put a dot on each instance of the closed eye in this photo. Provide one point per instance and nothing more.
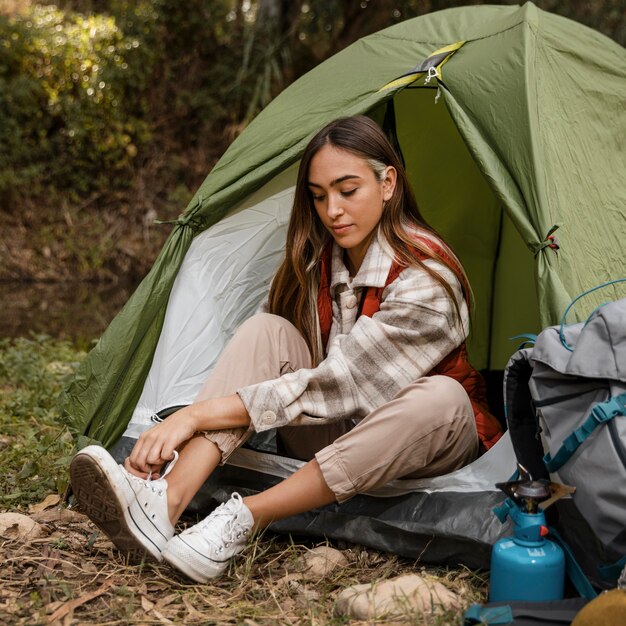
(348, 192)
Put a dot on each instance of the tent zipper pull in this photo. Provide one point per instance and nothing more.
(432, 73)
(438, 94)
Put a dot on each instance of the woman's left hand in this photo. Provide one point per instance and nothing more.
(156, 446)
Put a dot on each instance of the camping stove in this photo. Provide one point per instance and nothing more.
(527, 566)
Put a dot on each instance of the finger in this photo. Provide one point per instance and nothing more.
(168, 451)
(129, 467)
(154, 456)
(136, 458)
(142, 452)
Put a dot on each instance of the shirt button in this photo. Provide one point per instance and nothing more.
(351, 302)
(268, 418)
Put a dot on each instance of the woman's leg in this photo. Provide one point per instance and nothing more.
(427, 430)
(263, 348)
(304, 490)
(139, 515)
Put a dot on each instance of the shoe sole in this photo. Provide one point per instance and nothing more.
(176, 561)
(100, 502)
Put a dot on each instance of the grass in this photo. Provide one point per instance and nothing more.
(71, 575)
(35, 448)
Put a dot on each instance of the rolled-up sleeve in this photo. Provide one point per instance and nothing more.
(417, 326)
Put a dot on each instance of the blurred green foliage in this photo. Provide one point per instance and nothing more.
(34, 447)
(84, 97)
(140, 97)
(70, 92)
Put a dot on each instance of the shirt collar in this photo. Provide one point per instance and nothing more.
(372, 273)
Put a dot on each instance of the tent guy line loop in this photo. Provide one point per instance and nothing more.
(430, 64)
(196, 224)
(549, 241)
(432, 73)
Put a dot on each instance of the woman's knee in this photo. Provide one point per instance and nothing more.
(448, 390)
(266, 331)
(439, 398)
(266, 323)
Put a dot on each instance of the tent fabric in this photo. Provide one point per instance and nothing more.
(536, 99)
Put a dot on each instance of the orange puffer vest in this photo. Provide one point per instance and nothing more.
(456, 365)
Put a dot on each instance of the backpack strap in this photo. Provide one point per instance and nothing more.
(610, 573)
(524, 613)
(477, 614)
(601, 413)
(573, 569)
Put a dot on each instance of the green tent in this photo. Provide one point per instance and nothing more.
(511, 122)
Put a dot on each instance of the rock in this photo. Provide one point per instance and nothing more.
(322, 561)
(396, 597)
(18, 526)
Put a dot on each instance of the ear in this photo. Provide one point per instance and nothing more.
(389, 182)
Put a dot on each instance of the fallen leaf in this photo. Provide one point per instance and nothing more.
(167, 600)
(18, 526)
(58, 515)
(69, 618)
(162, 618)
(70, 605)
(192, 612)
(146, 604)
(289, 579)
(50, 500)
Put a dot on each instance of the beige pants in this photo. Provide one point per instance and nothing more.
(428, 429)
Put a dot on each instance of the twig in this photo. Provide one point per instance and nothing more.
(70, 605)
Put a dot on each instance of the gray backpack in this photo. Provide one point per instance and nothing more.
(565, 401)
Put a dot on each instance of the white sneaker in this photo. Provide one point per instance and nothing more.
(202, 552)
(130, 511)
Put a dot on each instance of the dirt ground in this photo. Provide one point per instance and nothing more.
(64, 573)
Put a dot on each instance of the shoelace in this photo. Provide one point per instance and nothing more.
(232, 530)
(148, 483)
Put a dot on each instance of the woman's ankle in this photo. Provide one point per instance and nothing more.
(175, 504)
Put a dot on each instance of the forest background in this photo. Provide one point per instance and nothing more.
(112, 112)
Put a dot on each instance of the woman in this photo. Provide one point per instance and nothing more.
(359, 363)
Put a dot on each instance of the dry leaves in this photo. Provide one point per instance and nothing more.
(70, 575)
(18, 526)
(49, 501)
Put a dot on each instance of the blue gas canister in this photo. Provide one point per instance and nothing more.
(527, 566)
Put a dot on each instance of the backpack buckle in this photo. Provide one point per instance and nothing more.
(605, 411)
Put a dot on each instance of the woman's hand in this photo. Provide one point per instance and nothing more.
(156, 446)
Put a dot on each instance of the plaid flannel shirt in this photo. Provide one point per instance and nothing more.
(369, 359)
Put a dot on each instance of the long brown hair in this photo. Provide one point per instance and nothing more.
(293, 294)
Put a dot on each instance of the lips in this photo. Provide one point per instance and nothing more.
(340, 229)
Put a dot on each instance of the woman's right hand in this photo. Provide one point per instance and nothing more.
(156, 446)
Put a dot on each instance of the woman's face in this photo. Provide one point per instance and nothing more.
(349, 198)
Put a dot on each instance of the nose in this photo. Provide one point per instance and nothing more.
(334, 208)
